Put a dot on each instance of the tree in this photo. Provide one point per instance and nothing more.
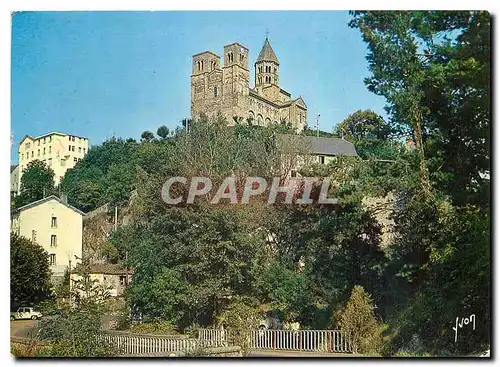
(37, 182)
(105, 173)
(162, 132)
(239, 318)
(147, 136)
(369, 133)
(362, 124)
(397, 72)
(359, 322)
(74, 330)
(29, 272)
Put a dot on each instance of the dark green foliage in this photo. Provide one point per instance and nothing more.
(37, 182)
(359, 322)
(106, 174)
(147, 136)
(369, 133)
(74, 329)
(29, 272)
(163, 132)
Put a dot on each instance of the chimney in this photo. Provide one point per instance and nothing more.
(64, 197)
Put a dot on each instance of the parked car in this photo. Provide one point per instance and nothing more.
(23, 313)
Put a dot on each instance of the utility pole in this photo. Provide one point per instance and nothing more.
(126, 268)
(69, 278)
(317, 125)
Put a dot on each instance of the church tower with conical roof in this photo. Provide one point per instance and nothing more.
(266, 67)
(227, 89)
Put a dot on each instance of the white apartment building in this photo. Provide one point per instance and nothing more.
(59, 151)
(56, 226)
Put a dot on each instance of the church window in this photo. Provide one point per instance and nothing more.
(242, 57)
(215, 91)
(201, 64)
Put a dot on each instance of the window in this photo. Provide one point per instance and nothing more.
(74, 159)
(53, 240)
(73, 148)
(38, 142)
(215, 92)
(123, 280)
(50, 139)
(32, 153)
(44, 140)
(50, 149)
(33, 235)
(294, 173)
(230, 57)
(53, 223)
(73, 138)
(322, 159)
(27, 145)
(63, 162)
(43, 151)
(38, 153)
(202, 66)
(52, 259)
(79, 149)
(242, 57)
(50, 162)
(69, 137)
(69, 148)
(83, 150)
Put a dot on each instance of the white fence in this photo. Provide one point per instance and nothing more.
(331, 341)
(141, 345)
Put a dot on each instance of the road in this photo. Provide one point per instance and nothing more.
(23, 328)
(292, 354)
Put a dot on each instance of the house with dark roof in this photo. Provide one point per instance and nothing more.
(56, 226)
(303, 149)
(112, 278)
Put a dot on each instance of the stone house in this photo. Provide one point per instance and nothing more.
(112, 277)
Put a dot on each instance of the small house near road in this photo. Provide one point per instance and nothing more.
(112, 277)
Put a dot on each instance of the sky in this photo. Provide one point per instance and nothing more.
(104, 74)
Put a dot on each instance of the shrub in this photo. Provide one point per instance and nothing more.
(154, 327)
(239, 318)
(359, 322)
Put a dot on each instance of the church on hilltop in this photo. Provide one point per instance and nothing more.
(226, 88)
